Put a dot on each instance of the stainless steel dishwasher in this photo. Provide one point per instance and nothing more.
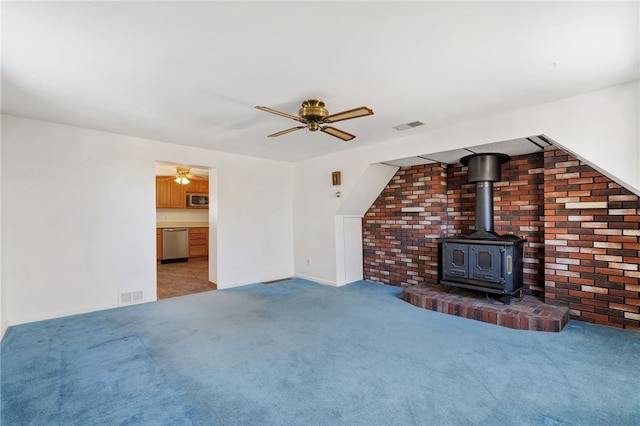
(175, 245)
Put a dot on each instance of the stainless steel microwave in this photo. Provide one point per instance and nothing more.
(197, 200)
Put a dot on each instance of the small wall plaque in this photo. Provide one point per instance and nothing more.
(335, 178)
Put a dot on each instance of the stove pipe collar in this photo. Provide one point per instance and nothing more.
(484, 167)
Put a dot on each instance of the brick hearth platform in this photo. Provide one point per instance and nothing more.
(527, 314)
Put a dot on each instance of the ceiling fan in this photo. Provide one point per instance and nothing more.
(313, 115)
(183, 176)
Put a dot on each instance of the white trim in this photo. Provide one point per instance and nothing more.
(318, 280)
(241, 284)
(71, 313)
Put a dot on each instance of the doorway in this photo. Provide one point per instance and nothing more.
(177, 186)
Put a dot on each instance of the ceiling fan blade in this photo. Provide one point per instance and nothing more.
(283, 114)
(283, 132)
(349, 114)
(337, 133)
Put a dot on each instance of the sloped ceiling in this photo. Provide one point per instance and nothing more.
(191, 72)
(512, 147)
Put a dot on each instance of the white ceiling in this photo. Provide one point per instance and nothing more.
(191, 72)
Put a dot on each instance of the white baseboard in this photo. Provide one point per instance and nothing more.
(62, 314)
(243, 283)
(318, 280)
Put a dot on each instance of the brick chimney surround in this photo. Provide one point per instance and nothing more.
(582, 231)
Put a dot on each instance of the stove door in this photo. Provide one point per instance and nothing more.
(485, 263)
(456, 260)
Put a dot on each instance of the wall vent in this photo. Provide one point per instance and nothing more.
(131, 298)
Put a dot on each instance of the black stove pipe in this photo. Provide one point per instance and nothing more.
(484, 169)
(484, 206)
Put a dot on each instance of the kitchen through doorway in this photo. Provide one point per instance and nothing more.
(182, 229)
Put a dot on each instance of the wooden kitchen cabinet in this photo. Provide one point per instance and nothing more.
(158, 244)
(197, 186)
(170, 195)
(198, 242)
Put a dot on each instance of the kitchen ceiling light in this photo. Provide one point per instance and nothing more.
(182, 176)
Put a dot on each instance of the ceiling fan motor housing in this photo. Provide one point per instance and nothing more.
(313, 112)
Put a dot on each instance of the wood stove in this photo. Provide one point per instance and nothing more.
(484, 260)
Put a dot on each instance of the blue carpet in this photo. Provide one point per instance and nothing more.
(299, 353)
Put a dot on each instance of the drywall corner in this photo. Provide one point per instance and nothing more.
(366, 190)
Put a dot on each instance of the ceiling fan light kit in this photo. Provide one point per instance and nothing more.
(313, 115)
(183, 176)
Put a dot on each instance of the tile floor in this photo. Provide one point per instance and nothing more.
(180, 279)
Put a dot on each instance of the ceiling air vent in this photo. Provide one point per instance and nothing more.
(409, 125)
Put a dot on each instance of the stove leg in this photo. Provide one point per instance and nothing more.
(506, 299)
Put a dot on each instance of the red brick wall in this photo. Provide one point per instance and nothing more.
(575, 255)
(399, 247)
(591, 243)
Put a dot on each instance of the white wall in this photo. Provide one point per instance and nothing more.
(3, 312)
(250, 214)
(79, 217)
(600, 127)
(316, 205)
(254, 222)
